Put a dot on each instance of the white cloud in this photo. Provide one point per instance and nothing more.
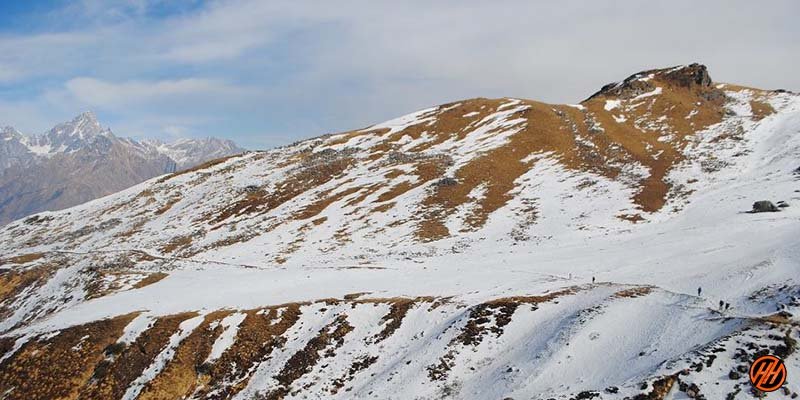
(105, 94)
(24, 57)
(302, 69)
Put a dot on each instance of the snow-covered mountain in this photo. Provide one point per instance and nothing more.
(482, 249)
(79, 160)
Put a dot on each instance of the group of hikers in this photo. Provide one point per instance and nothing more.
(722, 304)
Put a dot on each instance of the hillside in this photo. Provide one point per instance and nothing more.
(79, 160)
(486, 248)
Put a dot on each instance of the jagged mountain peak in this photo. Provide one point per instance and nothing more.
(8, 132)
(83, 126)
(693, 76)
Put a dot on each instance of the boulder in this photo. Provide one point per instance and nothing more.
(446, 181)
(251, 188)
(764, 206)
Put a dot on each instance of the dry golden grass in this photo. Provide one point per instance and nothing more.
(111, 379)
(489, 317)
(257, 337)
(496, 170)
(328, 339)
(661, 388)
(22, 259)
(319, 221)
(171, 202)
(674, 104)
(383, 207)
(396, 190)
(177, 243)
(15, 281)
(394, 174)
(150, 279)
(364, 193)
(633, 292)
(313, 209)
(761, 109)
(303, 180)
(180, 377)
(59, 367)
(634, 218)
(205, 165)
(394, 318)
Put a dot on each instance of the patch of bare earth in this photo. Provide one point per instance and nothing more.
(15, 281)
(258, 335)
(182, 374)
(150, 279)
(633, 292)
(357, 366)
(21, 259)
(328, 339)
(305, 178)
(483, 319)
(661, 388)
(58, 367)
(203, 166)
(121, 364)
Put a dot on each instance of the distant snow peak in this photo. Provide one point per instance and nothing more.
(33, 164)
(9, 133)
(83, 126)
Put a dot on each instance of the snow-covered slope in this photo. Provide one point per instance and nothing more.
(79, 160)
(488, 248)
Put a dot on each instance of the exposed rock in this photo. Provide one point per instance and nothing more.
(690, 76)
(586, 395)
(446, 181)
(764, 206)
(251, 189)
(742, 368)
(782, 204)
(694, 74)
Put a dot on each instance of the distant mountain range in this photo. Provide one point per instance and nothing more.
(80, 160)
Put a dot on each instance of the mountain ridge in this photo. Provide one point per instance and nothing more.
(484, 248)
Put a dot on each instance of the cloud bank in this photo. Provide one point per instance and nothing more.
(267, 73)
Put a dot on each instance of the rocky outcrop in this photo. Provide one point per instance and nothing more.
(764, 206)
(693, 76)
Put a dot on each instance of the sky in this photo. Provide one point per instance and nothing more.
(267, 73)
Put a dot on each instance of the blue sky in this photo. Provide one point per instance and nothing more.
(265, 73)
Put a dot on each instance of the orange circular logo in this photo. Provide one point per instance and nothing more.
(767, 373)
